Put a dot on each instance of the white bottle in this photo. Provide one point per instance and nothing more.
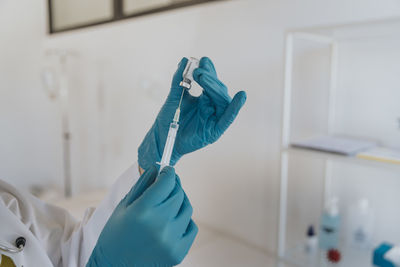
(311, 245)
(360, 225)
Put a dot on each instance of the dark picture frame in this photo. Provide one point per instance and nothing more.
(118, 14)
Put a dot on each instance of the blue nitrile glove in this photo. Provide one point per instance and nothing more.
(203, 119)
(151, 226)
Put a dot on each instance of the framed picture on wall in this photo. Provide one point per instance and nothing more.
(67, 15)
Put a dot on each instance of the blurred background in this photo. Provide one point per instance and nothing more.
(101, 86)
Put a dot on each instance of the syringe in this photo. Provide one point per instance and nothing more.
(169, 144)
(187, 77)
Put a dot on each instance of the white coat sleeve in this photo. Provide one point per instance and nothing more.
(68, 242)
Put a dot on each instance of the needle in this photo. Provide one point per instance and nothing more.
(180, 101)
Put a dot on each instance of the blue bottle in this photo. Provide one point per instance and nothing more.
(330, 226)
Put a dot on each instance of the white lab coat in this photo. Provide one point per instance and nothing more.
(53, 236)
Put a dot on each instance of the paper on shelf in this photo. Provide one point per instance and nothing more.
(382, 154)
(334, 144)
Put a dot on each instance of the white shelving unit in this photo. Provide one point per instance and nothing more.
(339, 80)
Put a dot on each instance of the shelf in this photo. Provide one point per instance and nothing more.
(335, 84)
(388, 28)
(350, 258)
(339, 158)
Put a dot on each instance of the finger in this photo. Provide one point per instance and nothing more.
(176, 89)
(211, 83)
(160, 190)
(189, 236)
(214, 89)
(173, 204)
(146, 180)
(178, 180)
(191, 230)
(231, 112)
(207, 64)
(184, 215)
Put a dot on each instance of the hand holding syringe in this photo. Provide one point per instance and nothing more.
(186, 83)
(201, 120)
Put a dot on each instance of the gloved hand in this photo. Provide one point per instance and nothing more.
(151, 226)
(203, 119)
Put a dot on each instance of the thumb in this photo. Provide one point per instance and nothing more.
(144, 182)
(231, 112)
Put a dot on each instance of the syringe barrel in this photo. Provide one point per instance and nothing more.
(169, 145)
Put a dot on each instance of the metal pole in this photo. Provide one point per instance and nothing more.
(65, 126)
(67, 157)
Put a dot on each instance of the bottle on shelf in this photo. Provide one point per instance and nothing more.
(311, 245)
(360, 225)
(330, 226)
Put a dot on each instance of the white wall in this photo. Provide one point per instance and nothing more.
(30, 145)
(233, 184)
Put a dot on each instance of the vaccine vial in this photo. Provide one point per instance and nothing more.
(187, 77)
